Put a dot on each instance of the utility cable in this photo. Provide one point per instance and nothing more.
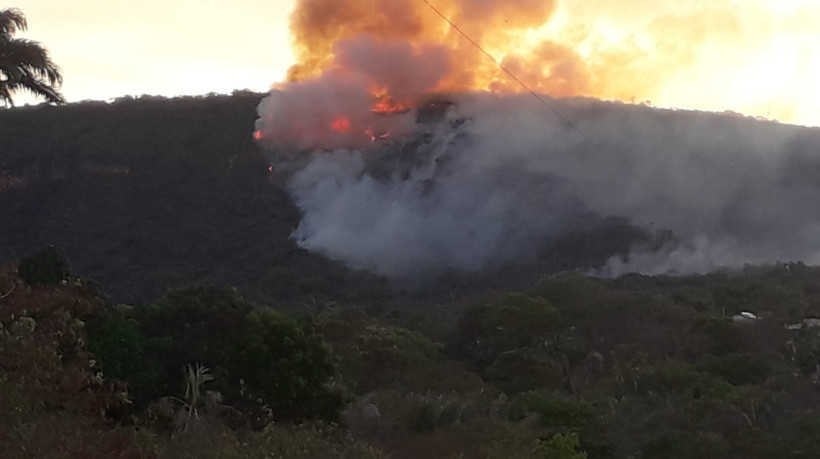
(512, 75)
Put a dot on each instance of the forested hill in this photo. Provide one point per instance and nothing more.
(148, 194)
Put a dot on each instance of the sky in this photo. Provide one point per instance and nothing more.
(112, 48)
(756, 57)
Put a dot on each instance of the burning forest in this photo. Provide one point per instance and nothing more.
(412, 148)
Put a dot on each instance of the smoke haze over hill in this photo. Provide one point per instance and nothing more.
(419, 137)
(498, 177)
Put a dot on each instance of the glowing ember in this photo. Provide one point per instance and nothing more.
(385, 104)
(257, 135)
(341, 124)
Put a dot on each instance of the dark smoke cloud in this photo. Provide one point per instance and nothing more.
(498, 177)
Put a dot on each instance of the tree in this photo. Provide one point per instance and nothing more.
(25, 64)
(260, 360)
(48, 267)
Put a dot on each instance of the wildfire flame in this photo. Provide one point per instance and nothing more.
(385, 104)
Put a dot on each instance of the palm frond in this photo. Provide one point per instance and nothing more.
(33, 86)
(195, 377)
(25, 65)
(12, 20)
(30, 56)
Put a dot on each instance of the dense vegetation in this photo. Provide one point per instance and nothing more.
(207, 333)
(572, 367)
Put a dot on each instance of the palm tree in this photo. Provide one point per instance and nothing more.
(25, 64)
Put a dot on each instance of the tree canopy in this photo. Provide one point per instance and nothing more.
(25, 65)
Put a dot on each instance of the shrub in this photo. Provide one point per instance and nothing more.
(738, 369)
(680, 378)
(125, 354)
(262, 361)
(516, 320)
(561, 414)
(561, 447)
(49, 266)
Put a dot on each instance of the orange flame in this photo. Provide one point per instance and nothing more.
(672, 53)
(385, 105)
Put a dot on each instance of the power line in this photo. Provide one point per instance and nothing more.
(569, 122)
(515, 78)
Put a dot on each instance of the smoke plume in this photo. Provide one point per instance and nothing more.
(757, 57)
(410, 153)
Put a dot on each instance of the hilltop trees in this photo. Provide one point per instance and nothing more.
(25, 64)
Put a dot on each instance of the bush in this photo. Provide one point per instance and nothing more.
(561, 414)
(694, 446)
(262, 361)
(49, 266)
(524, 369)
(561, 447)
(679, 378)
(517, 320)
(125, 354)
(286, 364)
(739, 369)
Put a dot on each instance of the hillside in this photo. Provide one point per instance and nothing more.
(149, 194)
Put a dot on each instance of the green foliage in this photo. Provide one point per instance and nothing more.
(563, 414)
(516, 320)
(305, 442)
(385, 345)
(123, 353)
(375, 355)
(525, 369)
(49, 266)
(809, 425)
(804, 347)
(634, 367)
(561, 446)
(573, 295)
(738, 369)
(259, 357)
(688, 446)
(680, 378)
(285, 363)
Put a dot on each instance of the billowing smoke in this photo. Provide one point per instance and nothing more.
(402, 163)
(757, 57)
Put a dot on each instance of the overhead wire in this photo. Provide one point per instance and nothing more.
(509, 73)
(554, 110)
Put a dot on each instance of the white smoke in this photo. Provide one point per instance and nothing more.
(498, 177)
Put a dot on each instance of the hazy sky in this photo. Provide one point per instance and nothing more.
(110, 48)
(757, 57)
